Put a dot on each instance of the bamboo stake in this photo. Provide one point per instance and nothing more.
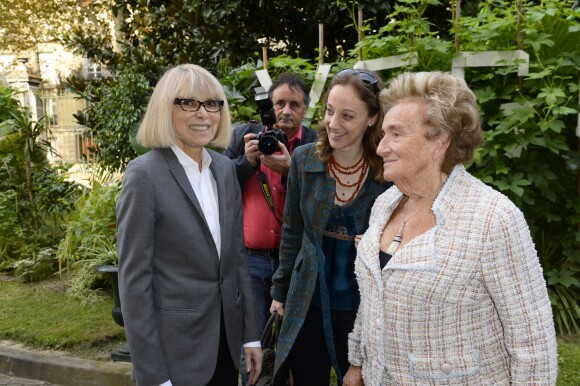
(360, 33)
(320, 43)
(265, 57)
(520, 40)
(457, 16)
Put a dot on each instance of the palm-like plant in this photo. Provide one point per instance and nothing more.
(24, 149)
(32, 191)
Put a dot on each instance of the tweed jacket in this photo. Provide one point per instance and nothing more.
(463, 303)
(309, 201)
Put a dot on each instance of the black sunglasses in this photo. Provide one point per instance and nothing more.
(365, 77)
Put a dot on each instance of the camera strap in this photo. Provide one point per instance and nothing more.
(263, 180)
(266, 191)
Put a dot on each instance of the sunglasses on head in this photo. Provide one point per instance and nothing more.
(365, 77)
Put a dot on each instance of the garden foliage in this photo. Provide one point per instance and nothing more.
(530, 151)
(34, 195)
(90, 239)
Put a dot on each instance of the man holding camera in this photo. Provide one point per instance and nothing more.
(262, 179)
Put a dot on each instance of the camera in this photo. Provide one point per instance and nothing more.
(269, 137)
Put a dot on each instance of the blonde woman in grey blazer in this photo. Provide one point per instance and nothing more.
(183, 277)
(452, 292)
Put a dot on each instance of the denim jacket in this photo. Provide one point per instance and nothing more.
(309, 201)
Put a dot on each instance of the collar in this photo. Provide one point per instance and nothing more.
(296, 139)
(186, 160)
(451, 193)
(297, 135)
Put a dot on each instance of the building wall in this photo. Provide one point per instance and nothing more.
(49, 68)
(69, 139)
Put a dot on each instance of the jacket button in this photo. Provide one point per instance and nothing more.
(377, 323)
(446, 368)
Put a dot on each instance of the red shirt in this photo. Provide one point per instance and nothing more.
(261, 229)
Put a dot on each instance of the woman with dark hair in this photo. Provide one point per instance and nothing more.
(331, 187)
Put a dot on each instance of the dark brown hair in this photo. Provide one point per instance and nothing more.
(372, 136)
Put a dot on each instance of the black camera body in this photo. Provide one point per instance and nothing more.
(269, 137)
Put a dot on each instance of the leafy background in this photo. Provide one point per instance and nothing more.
(531, 155)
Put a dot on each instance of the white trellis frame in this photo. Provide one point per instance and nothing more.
(324, 69)
(316, 90)
(493, 59)
(387, 62)
(490, 59)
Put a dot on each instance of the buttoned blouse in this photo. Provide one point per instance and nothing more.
(205, 189)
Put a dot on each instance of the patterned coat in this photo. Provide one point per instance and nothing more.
(463, 303)
(309, 200)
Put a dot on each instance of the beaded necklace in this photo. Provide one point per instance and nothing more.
(332, 167)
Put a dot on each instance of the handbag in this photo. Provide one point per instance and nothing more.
(268, 340)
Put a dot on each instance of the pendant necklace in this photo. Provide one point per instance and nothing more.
(399, 236)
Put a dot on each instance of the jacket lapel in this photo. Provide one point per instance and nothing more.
(424, 254)
(371, 256)
(422, 257)
(181, 178)
(220, 182)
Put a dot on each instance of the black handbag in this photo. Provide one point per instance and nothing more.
(268, 341)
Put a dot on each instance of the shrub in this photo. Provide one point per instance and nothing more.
(90, 238)
(34, 195)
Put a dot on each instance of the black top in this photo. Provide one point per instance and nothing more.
(384, 258)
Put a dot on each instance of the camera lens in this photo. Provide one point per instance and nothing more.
(268, 144)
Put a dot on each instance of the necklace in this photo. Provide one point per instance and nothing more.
(346, 169)
(332, 167)
(399, 236)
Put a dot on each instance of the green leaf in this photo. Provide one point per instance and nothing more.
(555, 125)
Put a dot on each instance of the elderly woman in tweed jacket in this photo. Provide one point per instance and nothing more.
(452, 292)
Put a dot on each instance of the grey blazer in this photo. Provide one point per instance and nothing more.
(171, 281)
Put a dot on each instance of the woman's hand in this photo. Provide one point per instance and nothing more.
(253, 363)
(277, 306)
(356, 240)
(353, 377)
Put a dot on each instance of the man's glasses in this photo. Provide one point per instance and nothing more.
(366, 78)
(191, 105)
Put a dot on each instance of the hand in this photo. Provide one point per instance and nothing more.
(251, 149)
(357, 240)
(279, 163)
(253, 363)
(353, 377)
(277, 306)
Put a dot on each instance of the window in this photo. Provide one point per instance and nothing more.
(92, 70)
(50, 110)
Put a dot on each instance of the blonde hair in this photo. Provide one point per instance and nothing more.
(183, 81)
(450, 108)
